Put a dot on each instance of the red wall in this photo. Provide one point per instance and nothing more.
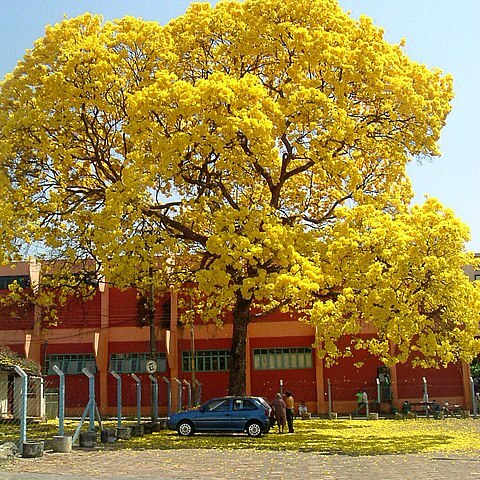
(18, 349)
(16, 318)
(76, 391)
(123, 307)
(214, 384)
(301, 381)
(78, 313)
(442, 382)
(346, 378)
(66, 348)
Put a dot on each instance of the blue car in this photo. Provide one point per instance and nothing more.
(225, 414)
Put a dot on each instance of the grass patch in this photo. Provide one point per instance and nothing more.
(346, 437)
(10, 430)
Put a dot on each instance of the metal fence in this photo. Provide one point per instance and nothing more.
(377, 395)
(32, 408)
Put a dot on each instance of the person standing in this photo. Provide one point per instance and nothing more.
(361, 401)
(359, 396)
(365, 399)
(290, 405)
(280, 412)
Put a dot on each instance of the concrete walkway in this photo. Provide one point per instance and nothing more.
(239, 464)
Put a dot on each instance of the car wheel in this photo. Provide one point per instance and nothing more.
(185, 428)
(254, 429)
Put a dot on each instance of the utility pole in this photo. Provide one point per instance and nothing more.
(192, 351)
(151, 314)
(192, 341)
(153, 340)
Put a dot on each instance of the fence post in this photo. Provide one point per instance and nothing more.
(155, 398)
(91, 398)
(139, 398)
(474, 403)
(23, 407)
(378, 391)
(367, 410)
(91, 407)
(425, 395)
(329, 390)
(179, 389)
(119, 398)
(41, 393)
(189, 387)
(198, 392)
(61, 400)
(169, 395)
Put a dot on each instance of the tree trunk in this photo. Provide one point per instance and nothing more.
(238, 355)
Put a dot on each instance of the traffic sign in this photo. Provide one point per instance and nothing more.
(151, 366)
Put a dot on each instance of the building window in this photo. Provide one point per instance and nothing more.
(282, 358)
(207, 361)
(135, 362)
(71, 363)
(22, 281)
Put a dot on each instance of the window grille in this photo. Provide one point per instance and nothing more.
(282, 358)
(207, 360)
(70, 363)
(135, 362)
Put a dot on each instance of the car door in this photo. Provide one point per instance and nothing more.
(243, 410)
(214, 415)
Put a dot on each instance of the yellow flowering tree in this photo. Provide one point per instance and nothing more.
(261, 148)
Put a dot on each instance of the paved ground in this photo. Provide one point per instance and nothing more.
(240, 464)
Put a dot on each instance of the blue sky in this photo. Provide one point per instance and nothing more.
(439, 33)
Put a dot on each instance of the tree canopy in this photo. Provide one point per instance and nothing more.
(261, 148)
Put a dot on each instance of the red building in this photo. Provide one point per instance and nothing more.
(103, 334)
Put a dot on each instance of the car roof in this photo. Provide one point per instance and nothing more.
(239, 396)
(233, 397)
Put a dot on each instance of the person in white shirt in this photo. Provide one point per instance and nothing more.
(303, 410)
